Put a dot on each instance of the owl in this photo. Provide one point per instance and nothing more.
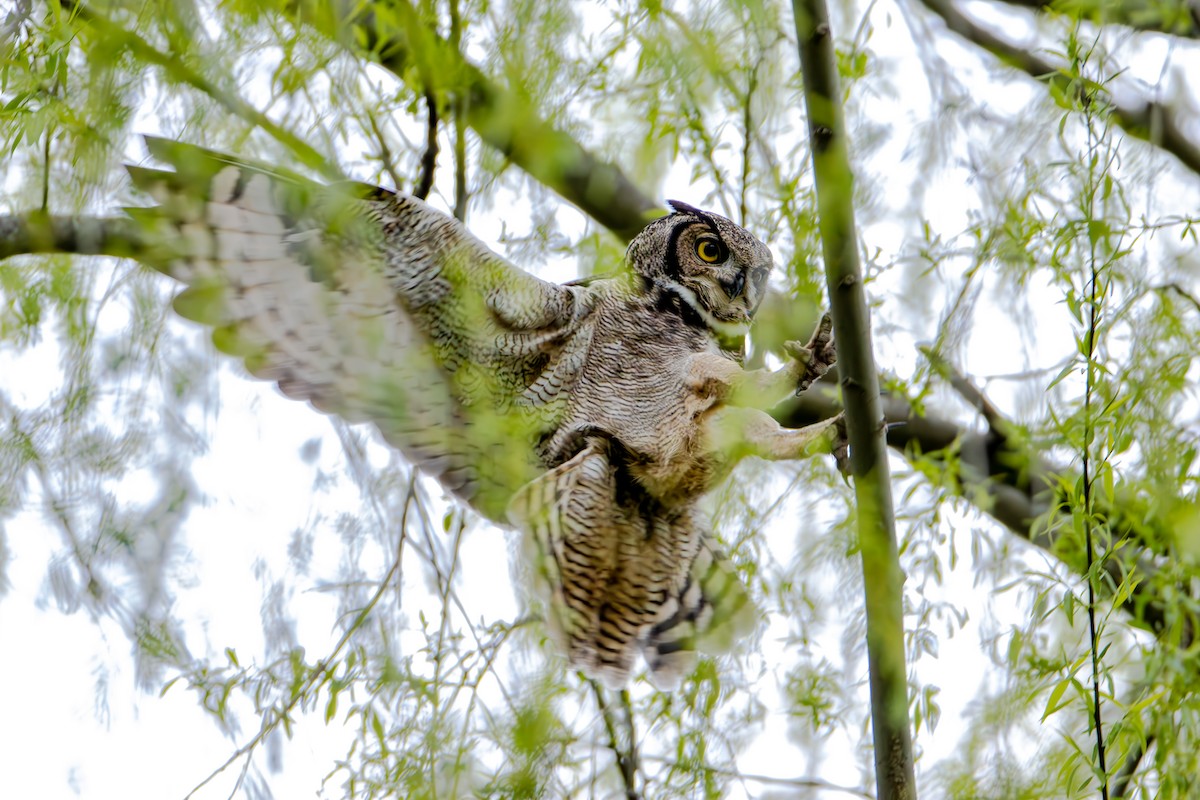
(591, 416)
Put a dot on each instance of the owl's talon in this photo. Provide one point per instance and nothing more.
(817, 356)
(841, 446)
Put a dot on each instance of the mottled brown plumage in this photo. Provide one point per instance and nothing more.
(592, 417)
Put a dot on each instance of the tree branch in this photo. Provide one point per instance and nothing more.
(459, 112)
(1148, 120)
(36, 232)
(771, 780)
(391, 33)
(1152, 17)
(429, 157)
(883, 580)
(1002, 477)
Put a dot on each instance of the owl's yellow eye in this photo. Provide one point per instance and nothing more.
(710, 251)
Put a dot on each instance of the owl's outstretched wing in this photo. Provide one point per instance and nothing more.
(370, 305)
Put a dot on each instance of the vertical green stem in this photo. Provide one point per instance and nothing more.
(882, 578)
(1095, 298)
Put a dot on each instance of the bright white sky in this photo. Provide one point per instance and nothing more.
(59, 741)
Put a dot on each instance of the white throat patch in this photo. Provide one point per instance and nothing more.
(720, 326)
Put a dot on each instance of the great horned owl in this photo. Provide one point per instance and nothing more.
(592, 417)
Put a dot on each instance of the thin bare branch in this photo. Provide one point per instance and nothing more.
(385, 152)
(626, 757)
(770, 780)
(429, 157)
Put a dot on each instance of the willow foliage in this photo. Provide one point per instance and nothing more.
(1030, 261)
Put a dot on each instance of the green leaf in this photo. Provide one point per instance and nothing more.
(203, 302)
(1054, 702)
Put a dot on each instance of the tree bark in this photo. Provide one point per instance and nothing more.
(883, 580)
(37, 232)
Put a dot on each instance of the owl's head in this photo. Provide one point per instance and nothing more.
(712, 264)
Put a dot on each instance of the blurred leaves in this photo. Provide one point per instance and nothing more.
(100, 435)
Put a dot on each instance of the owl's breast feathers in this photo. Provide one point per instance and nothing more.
(623, 373)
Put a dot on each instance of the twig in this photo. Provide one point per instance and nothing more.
(1097, 294)
(429, 157)
(1184, 293)
(793, 783)
(627, 760)
(883, 581)
(385, 152)
(747, 136)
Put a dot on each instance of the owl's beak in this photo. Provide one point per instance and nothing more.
(734, 286)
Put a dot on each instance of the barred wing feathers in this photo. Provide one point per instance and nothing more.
(369, 305)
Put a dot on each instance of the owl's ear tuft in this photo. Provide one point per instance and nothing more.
(680, 207)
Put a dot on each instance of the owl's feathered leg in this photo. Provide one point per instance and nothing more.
(735, 433)
(622, 574)
(713, 375)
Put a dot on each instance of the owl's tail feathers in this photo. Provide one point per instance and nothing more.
(617, 580)
(710, 615)
(574, 532)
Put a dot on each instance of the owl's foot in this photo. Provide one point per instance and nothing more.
(817, 356)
